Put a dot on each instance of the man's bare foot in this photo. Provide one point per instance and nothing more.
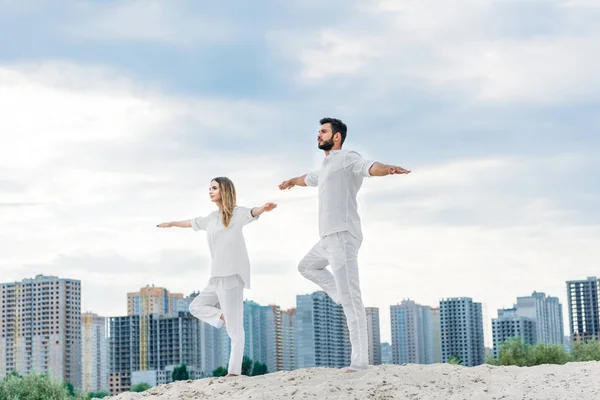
(230, 375)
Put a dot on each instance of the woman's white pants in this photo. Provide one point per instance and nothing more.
(224, 296)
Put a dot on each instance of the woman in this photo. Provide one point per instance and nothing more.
(222, 301)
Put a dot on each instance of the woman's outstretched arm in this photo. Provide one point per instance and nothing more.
(177, 224)
(259, 210)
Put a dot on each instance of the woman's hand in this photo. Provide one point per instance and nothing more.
(269, 206)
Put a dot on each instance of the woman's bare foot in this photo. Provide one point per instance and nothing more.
(230, 375)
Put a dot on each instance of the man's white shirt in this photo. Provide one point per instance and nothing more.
(339, 180)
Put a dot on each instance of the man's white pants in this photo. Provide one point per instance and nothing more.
(224, 296)
(340, 250)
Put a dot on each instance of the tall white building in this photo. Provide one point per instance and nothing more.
(374, 337)
(94, 353)
(461, 323)
(41, 328)
(436, 335)
(321, 336)
(547, 314)
(288, 347)
(415, 333)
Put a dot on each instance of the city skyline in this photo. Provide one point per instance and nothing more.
(145, 346)
(182, 300)
(385, 336)
(116, 115)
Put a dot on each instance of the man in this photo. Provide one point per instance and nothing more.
(339, 181)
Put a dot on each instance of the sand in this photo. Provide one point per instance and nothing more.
(436, 382)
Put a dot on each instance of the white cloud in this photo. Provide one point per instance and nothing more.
(465, 47)
(581, 3)
(147, 21)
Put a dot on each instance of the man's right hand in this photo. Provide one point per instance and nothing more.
(287, 184)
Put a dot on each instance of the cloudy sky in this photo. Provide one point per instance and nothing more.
(115, 115)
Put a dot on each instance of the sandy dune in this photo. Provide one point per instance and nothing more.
(439, 382)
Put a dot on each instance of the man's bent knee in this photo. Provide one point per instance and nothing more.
(303, 267)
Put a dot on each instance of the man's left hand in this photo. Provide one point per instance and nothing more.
(393, 170)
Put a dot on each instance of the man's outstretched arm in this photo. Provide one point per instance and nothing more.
(290, 183)
(355, 164)
(379, 169)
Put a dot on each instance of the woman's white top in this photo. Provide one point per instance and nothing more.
(229, 255)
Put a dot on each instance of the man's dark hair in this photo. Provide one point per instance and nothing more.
(336, 126)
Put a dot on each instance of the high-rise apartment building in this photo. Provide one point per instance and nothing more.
(374, 337)
(288, 347)
(436, 336)
(124, 351)
(41, 328)
(509, 325)
(462, 331)
(274, 338)
(584, 313)
(415, 333)
(262, 328)
(155, 300)
(386, 353)
(548, 315)
(152, 343)
(94, 353)
(322, 338)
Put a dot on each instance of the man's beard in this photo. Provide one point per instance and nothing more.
(326, 145)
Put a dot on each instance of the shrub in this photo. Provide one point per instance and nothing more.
(140, 387)
(32, 387)
(516, 352)
(583, 351)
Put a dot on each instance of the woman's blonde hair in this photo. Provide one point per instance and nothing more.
(227, 189)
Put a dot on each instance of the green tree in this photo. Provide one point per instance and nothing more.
(69, 386)
(516, 352)
(549, 354)
(455, 360)
(221, 371)
(246, 366)
(140, 387)
(259, 368)
(586, 351)
(181, 373)
(97, 395)
(32, 387)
